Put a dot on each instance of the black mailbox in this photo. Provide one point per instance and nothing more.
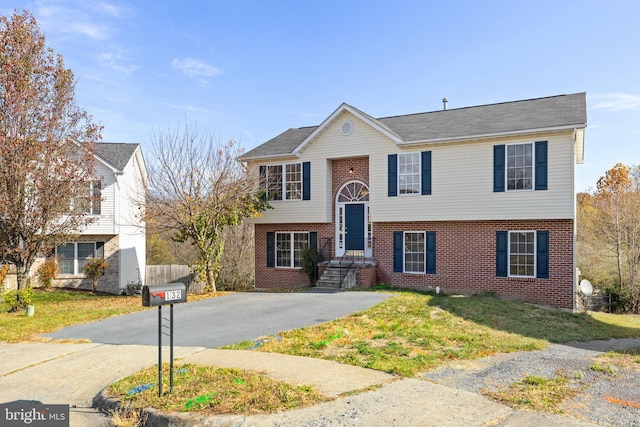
(170, 293)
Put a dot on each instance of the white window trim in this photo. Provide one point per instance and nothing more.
(291, 249)
(76, 270)
(283, 181)
(424, 251)
(533, 167)
(535, 254)
(419, 192)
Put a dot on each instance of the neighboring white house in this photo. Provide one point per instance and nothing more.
(470, 199)
(118, 230)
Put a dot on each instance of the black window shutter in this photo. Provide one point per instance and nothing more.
(498, 168)
(313, 239)
(431, 252)
(271, 249)
(99, 249)
(306, 181)
(397, 251)
(541, 165)
(502, 253)
(426, 172)
(542, 254)
(393, 175)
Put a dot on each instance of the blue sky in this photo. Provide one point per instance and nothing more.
(250, 69)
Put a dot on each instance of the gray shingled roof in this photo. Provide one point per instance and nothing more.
(507, 117)
(117, 154)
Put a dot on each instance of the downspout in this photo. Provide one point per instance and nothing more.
(575, 225)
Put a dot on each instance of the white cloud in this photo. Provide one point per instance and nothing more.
(197, 69)
(614, 101)
(114, 61)
(188, 108)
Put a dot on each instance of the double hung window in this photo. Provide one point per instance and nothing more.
(289, 248)
(409, 173)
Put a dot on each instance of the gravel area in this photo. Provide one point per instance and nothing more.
(573, 359)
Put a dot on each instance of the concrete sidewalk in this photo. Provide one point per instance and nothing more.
(75, 374)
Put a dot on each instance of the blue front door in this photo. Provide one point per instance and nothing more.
(354, 226)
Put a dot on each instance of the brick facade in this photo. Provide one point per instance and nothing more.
(466, 260)
(278, 277)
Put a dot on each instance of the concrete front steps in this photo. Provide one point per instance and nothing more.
(345, 274)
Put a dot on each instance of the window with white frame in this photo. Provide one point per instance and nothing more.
(520, 167)
(414, 252)
(72, 257)
(522, 253)
(289, 248)
(282, 182)
(293, 181)
(409, 173)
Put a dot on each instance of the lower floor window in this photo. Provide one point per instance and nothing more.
(72, 257)
(414, 252)
(522, 253)
(289, 248)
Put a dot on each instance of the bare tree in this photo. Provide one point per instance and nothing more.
(46, 162)
(198, 188)
(609, 233)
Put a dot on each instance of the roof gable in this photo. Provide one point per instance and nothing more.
(516, 117)
(115, 155)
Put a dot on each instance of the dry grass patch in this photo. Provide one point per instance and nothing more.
(211, 390)
(537, 393)
(629, 359)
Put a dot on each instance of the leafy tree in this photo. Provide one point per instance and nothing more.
(198, 189)
(46, 160)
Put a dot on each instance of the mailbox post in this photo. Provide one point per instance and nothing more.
(159, 295)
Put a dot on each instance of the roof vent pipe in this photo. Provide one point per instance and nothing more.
(445, 101)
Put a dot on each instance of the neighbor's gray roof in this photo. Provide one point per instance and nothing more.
(117, 154)
(507, 117)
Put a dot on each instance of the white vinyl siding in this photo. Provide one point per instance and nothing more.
(462, 186)
(462, 180)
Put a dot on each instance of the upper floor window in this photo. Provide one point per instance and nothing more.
(520, 167)
(409, 173)
(95, 198)
(285, 182)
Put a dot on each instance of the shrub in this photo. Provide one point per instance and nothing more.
(95, 268)
(309, 263)
(47, 272)
(3, 273)
(13, 301)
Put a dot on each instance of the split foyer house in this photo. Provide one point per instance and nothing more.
(117, 232)
(468, 200)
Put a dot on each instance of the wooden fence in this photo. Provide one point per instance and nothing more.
(160, 274)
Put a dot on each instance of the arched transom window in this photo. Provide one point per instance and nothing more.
(354, 191)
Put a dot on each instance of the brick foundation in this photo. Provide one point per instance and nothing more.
(465, 259)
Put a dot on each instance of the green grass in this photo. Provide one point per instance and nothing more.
(414, 332)
(56, 309)
(211, 390)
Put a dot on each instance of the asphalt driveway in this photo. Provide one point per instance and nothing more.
(225, 320)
